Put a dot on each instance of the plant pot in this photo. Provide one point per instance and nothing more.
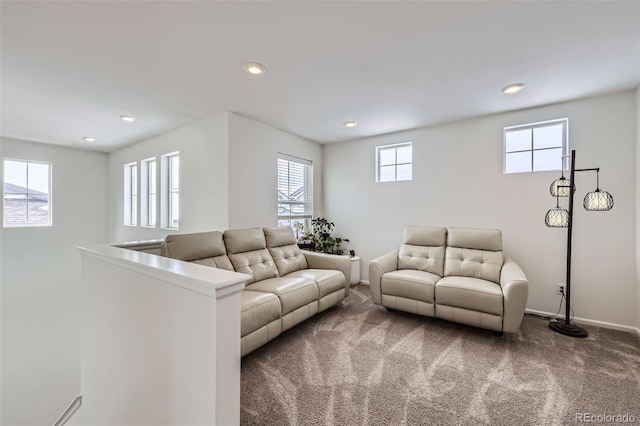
(355, 270)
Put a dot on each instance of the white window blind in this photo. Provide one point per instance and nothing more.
(295, 191)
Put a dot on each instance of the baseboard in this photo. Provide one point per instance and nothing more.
(586, 321)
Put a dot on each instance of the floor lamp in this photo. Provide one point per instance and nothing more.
(560, 218)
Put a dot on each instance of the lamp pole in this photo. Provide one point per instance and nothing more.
(566, 327)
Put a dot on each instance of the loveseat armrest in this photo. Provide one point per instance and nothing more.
(515, 289)
(377, 267)
(330, 261)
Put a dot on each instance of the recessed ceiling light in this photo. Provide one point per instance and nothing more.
(128, 118)
(89, 139)
(512, 88)
(254, 68)
(350, 123)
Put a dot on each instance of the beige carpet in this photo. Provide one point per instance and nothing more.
(358, 364)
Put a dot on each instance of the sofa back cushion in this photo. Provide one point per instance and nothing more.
(248, 253)
(423, 249)
(475, 253)
(206, 248)
(284, 249)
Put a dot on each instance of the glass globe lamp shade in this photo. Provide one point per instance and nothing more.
(598, 201)
(557, 218)
(560, 187)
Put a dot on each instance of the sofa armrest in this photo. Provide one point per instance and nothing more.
(515, 289)
(377, 267)
(330, 261)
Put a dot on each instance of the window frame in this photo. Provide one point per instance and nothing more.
(167, 195)
(49, 165)
(540, 124)
(307, 189)
(149, 198)
(395, 146)
(131, 192)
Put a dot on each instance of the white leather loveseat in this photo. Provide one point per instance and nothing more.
(286, 285)
(457, 274)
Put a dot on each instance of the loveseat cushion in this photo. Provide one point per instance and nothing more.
(248, 253)
(469, 293)
(423, 249)
(411, 284)
(205, 248)
(293, 292)
(258, 310)
(282, 246)
(328, 280)
(475, 253)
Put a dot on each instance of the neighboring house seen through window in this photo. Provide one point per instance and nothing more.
(295, 191)
(26, 193)
(535, 147)
(394, 162)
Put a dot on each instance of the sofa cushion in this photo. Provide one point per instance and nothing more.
(280, 236)
(480, 239)
(469, 293)
(285, 251)
(200, 245)
(293, 292)
(248, 253)
(475, 253)
(328, 280)
(423, 249)
(412, 284)
(243, 240)
(472, 263)
(257, 263)
(258, 309)
(221, 262)
(424, 235)
(204, 248)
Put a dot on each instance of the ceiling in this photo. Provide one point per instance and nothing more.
(70, 69)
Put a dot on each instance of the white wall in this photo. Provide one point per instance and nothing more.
(253, 159)
(458, 181)
(41, 310)
(203, 178)
(637, 229)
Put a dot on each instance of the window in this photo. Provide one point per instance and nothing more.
(295, 191)
(26, 194)
(170, 214)
(148, 190)
(535, 147)
(131, 194)
(394, 162)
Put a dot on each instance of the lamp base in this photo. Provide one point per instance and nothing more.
(570, 330)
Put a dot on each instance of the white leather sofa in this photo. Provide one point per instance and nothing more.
(457, 274)
(286, 285)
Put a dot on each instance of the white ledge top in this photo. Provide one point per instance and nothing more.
(202, 279)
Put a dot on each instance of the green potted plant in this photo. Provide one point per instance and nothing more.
(327, 243)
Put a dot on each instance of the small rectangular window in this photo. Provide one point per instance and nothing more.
(295, 192)
(26, 194)
(170, 214)
(149, 194)
(131, 194)
(394, 162)
(535, 147)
